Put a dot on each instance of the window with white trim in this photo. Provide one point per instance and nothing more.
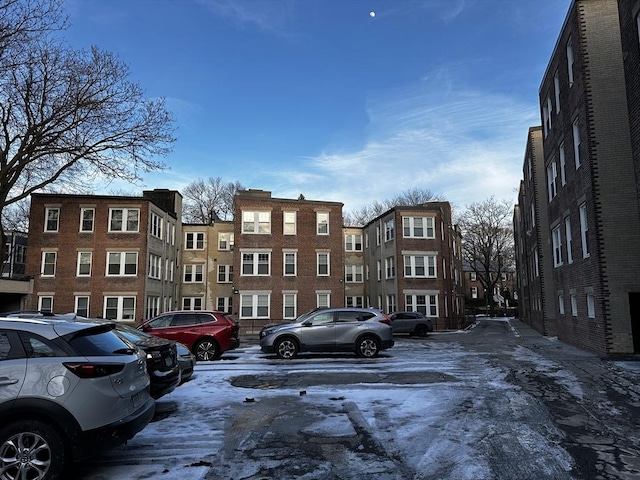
(425, 304)
(52, 219)
(591, 306)
(126, 220)
(289, 223)
(392, 305)
(48, 267)
(420, 266)
(81, 307)
(153, 307)
(390, 267)
(225, 273)
(563, 173)
(45, 304)
(552, 175)
(225, 241)
(323, 264)
(84, 264)
(354, 301)
(322, 223)
(584, 230)
(379, 269)
(353, 273)
(119, 307)
(570, 60)
(323, 299)
(574, 305)
(576, 143)
(474, 292)
(561, 304)
(256, 222)
(353, 242)
(254, 305)
(192, 303)
(193, 273)
(87, 216)
(556, 237)
(289, 305)
(194, 241)
(389, 230)
(256, 263)
(122, 263)
(473, 276)
(155, 225)
(290, 266)
(567, 234)
(418, 227)
(556, 90)
(155, 266)
(224, 304)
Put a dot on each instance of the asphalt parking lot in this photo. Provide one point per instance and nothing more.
(498, 401)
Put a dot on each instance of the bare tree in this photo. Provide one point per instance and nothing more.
(413, 196)
(487, 243)
(68, 116)
(205, 201)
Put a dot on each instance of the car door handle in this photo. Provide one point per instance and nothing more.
(7, 381)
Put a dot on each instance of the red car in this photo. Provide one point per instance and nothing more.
(206, 333)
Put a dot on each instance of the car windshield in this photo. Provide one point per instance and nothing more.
(99, 341)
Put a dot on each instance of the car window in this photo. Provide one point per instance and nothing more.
(5, 346)
(348, 316)
(205, 317)
(38, 347)
(160, 322)
(97, 343)
(367, 315)
(185, 319)
(322, 318)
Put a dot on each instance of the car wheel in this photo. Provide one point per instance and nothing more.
(368, 347)
(421, 330)
(206, 350)
(286, 348)
(31, 449)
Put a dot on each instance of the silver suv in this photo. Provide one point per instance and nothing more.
(365, 331)
(67, 390)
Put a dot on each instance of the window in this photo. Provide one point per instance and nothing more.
(153, 307)
(84, 264)
(570, 60)
(155, 225)
(254, 305)
(533, 215)
(256, 222)
(556, 89)
(82, 306)
(574, 305)
(122, 263)
(194, 241)
(322, 223)
(547, 110)
(563, 174)
(192, 303)
(323, 264)
(557, 246)
(418, 227)
(290, 263)
(561, 304)
(124, 220)
(256, 263)
(389, 230)
(576, 143)
(86, 219)
(323, 299)
(390, 267)
(353, 273)
(353, 243)
(473, 276)
(420, 266)
(391, 303)
(225, 241)
(45, 304)
(289, 223)
(52, 218)
(591, 306)
(379, 269)
(289, 309)
(155, 266)
(224, 304)
(225, 273)
(193, 274)
(567, 234)
(552, 175)
(584, 230)
(48, 268)
(425, 304)
(354, 302)
(120, 308)
(474, 292)
(377, 235)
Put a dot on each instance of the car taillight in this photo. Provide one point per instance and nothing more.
(386, 319)
(94, 370)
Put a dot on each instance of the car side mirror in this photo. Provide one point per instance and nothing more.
(307, 323)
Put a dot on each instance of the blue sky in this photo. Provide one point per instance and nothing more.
(322, 98)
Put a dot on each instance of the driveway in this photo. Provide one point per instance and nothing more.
(497, 401)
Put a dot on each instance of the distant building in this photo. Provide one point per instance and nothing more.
(15, 284)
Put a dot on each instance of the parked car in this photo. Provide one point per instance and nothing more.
(208, 334)
(67, 390)
(365, 331)
(186, 361)
(413, 323)
(161, 354)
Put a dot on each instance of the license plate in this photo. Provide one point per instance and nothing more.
(138, 398)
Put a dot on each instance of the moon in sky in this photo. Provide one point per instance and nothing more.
(372, 14)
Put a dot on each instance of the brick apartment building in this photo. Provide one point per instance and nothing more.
(413, 262)
(105, 256)
(589, 116)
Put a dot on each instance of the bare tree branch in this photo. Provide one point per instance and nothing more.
(205, 201)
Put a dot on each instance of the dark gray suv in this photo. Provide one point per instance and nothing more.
(364, 331)
(67, 390)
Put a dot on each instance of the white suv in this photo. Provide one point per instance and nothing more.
(67, 390)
